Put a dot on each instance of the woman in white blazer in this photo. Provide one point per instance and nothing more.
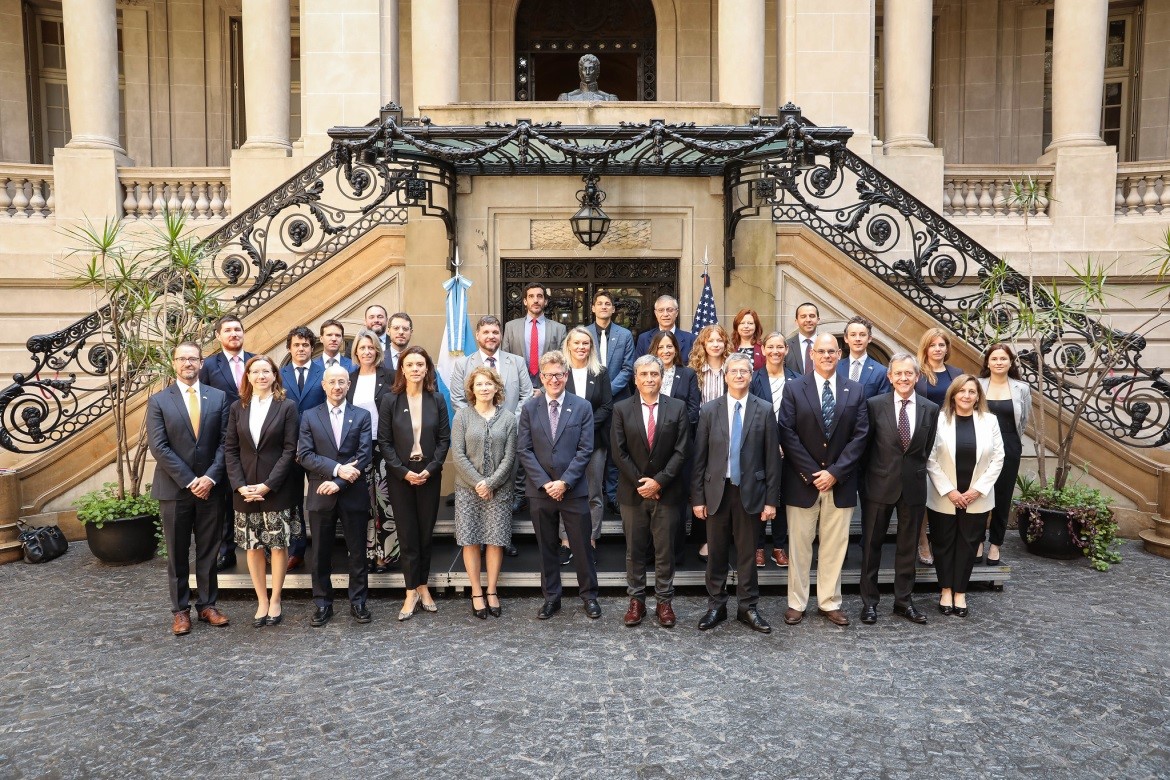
(964, 463)
(1009, 399)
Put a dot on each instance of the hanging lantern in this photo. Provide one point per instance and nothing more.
(590, 223)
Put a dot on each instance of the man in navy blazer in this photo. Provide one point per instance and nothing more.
(336, 444)
(301, 379)
(823, 426)
(185, 428)
(666, 312)
(333, 347)
(615, 348)
(224, 371)
(858, 366)
(554, 443)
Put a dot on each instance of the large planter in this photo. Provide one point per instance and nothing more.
(124, 541)
(1054, 541)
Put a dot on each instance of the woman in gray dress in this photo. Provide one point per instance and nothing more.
(483, 443)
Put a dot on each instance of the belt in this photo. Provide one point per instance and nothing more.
(416, 458)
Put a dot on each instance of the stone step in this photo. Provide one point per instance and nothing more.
(11, 551)
(1155, 543)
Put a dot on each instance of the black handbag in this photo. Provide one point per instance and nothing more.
(42, 544)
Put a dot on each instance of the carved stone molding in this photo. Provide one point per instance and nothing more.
(557, 234)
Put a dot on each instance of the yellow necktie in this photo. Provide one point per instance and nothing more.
(193, 410)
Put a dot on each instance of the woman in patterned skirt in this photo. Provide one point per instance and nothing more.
(483, 443)
(259, 450)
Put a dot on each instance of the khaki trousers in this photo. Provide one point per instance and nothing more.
(831, 523)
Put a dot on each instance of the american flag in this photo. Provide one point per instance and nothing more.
(705, 312)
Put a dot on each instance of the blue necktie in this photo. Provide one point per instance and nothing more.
(828, 405)
(736, 444)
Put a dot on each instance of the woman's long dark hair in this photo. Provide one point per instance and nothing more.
(428, 383)
(1013, 368)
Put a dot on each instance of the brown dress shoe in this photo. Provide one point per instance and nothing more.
(665, 612)
(635, 613)
(213, 616)
(294, 562)
(793, 616)
(780, 556)
(759, 559)
(835, 616)
(181, 624)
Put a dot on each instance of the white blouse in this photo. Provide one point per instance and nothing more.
(257, 411)
(363, 396)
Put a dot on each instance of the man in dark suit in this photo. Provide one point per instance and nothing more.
(858, 365)
(823, 425)
(519, 333)
(615, 349)
(301, 378)
(185, 427)
(554, 442)
(902, 426)
(651, 440)
(335, 446)
(735, 486)
(666, 312)
(224, 371)
(398, 333)
(333, 347)
(799, 357)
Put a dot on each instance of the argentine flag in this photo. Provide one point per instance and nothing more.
(458, 338)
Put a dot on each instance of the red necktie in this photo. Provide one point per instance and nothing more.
(534, 350)
(650, 425)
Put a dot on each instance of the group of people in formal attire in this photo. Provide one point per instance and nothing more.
(726, 432)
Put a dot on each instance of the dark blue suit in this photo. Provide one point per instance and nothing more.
(312, 396)
(873, 379)
(684, 337)
(619, 358)
(345, 362)
(564, 457)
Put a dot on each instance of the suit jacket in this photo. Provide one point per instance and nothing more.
(988, 464)
(217, 373)
(761, 386)
(809, 448)
(269, 462)
(795, 357)
(619, 358)
(1021, 401)
(664, 462)
(686, 340)
(313, 394)
(873, 378)
(891, 474)
(318, 454)
(511, 368)
(396, 433)
(759, 456)
(565, 457)
(383, 380)
(345, 363)
(516, 337)
(180, 457)
(600, 398)
(686, 389)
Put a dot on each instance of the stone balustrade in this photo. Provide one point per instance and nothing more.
(1142, 188)
(199, 193)
(986, 191)
(26, 191)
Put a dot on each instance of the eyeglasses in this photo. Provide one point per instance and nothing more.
(188, 360)
(554, 377)
(671, 310)
(739, 372)
(825, 352)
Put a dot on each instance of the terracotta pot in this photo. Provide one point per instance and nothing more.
(124, 541)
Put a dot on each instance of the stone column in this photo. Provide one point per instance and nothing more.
(91, 56)
(434, 51)
(741, 52)
(1079, 28)
(389, 53)
(266, 74)
(906, 59)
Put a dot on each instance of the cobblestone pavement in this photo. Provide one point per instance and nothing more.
(1065, 674)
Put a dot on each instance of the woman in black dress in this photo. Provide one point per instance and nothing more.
(934, 349)
(678, 381)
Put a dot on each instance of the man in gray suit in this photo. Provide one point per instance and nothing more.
(517, 384)
(518, 333)
(735, 485)
(185, 426)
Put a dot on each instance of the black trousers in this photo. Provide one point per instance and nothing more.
(547, 515)
(227, 522)
(642, 522)
(731, 523)
(954, 539)
(875, 523)
(183, 519)
(1005, 487)
(298, 544)
(415, 512)
(779, 530)
(323, 525)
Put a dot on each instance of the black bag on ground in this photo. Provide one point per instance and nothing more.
(43, 543)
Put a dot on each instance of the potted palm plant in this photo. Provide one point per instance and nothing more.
(152, 295)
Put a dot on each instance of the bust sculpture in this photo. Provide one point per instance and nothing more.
(589, 67)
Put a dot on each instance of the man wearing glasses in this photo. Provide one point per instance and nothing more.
(554, 443)
(823, 428)
(666, 312)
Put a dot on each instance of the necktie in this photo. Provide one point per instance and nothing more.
(855, 370)
(603, 348)
(491, 362)
(904, 426)
(650, 426)
(534, 350)
(736, 443)
(808, 361)
(335, 418)
(828, 405)
(554, 416)
(331, 362)
(238, 370)
(301, 379)
(193, 410)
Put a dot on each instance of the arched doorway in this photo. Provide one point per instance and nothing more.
(551, 35)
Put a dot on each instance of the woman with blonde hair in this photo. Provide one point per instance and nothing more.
(369, 382)
(707, 358)
(589, 379)
(934, 349)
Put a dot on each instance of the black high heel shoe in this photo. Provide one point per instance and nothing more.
(479, 613)
(495, 611)
(946, 609)
(962, 612)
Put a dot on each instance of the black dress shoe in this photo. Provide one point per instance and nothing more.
(226, 561)
(510, 550)
(995, 561)
(752, 618)
(321, 616)
(274, 620)
(260, 622)
(519, 505)
(612, 508)
(962, 611)
(713, 618)
(910, 612)
(360, 612)
(945, 609)
(592, 608)
(548, 609)
(869, 614)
